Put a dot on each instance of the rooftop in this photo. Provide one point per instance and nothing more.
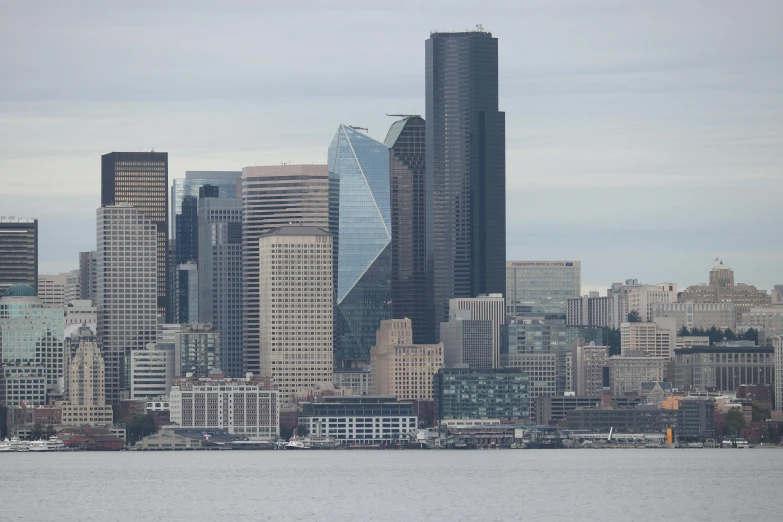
(20, 290)
(293, 230)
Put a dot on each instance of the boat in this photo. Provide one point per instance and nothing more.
(19, 445)
(39, 445)
(5, 445)
(295, 443)
(56, 444)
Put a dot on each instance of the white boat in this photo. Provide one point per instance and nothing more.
(39, 445)
(295, 443)
(5, 445)
(19, 445)
(56, 444)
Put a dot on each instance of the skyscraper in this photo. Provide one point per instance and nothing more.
(272, 197)
(220, 276)
(18, 252)
(87, 271)
(227, 183)
(142, 179)
(466, 172)
(542, 288)
(85, 381)
(408, 198)
(187, 231)
(127, 279)
(360, 221)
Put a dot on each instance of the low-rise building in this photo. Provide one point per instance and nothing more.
(698, 315)
(723, 367)
(472, 393)
(553, 409)
(695, 419)
(641, 419)
(689, 341)
(655, 392)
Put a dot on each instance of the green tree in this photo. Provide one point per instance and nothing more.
(683, 331)
(714, 334)
(613, 341)
(761, 412)
(729, 335)
(50, 431)
(37, 432)
(634, 317)
(139, 427)
(735, 421)
(751, 334)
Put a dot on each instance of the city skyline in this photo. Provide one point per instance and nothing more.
(597, 118)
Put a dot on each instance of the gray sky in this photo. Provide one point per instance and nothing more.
(643, 138)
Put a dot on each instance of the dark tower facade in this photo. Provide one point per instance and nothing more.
(18, 253)
(408, 197)
(187, 231)
(142, 179)
(466, 168)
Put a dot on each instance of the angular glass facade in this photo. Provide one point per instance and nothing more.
(360, 221)
(541, 287)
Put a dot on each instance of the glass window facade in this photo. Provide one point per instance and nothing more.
(482, 394)
(541, 287)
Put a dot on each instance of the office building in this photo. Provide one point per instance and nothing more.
(141, 179)
(296, 318)
(79, 312)
(197, 350)
(466, 342)
(634, 296)
(72, 286)
(273, 197)
(698, 315)
(656, 339)
(226, 183)
(695, 419)
(641, 419)
(465, 165)
(359, 420)
(542, 371)
(220, 276)
(187, 231)
(723, 367)
(85, 386)
(551, 409)
(127, 279)
(590, 310)
(358, 381)
(768, 319)
(360, 221)
(186, 294)
(400, 368)
(721, 288)
(88, 270)
(410, 279)
(31, 347)
(51, 289)
(152, 370)
(18, 252)
(628, 372)
(469, 393)
(491, 308)
(590, 369)
(541, 288)
(777, 361)
(242, 406)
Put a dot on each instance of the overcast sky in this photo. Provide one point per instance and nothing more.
(643, 138)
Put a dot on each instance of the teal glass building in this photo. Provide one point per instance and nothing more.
(471, 393)
(360, 221)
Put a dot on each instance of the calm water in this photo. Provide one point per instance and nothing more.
(605, 485)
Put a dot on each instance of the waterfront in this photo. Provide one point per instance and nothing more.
(689, 485)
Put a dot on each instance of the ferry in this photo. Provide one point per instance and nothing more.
(52, 444)
(19, 445)
(738, 443)
(295, 443)
(5, 445)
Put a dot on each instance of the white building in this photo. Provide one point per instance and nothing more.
(51, 289)
(359, 420)
(697, 315)
(358, 380)
(628, 372)
(589, 310)
(635, 296)
(657, 339)
(245, 406)
(763, 318)
(79, 312)
(73, 286)
(127, 292)
(296, 316)
(491, 308)
(152, 371)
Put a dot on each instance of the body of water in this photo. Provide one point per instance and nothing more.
(485, 485)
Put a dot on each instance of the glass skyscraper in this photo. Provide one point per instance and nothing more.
(466, 168)
(225, 181)
(360, 222)
(541, 288)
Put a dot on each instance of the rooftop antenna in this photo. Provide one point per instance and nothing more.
(480, 28)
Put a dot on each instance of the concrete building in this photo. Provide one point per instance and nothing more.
(470, 393)
(690, 341)
(31, 348)
(51, 289)
(85, 385)
(768, 319)
(220, 275)
(359, 420)
(695, 419)
(590, 368)
(552, 409)
(541, 287)
(723, 367)
(698, 315)
(73, 286)
(296, 320)
(634, 296)
(197, 350)
(399, 367)
(273, 197)
(186, 295)
(491, 308)
(590, 310)
(467, 341)
(245, 406)
(641, 419)
(18, 252)
(657, 339)
(356, 380)
(151, 371)
(127, 295)
(655, 393)
(777, 344)
(628, 372)
(542, 370)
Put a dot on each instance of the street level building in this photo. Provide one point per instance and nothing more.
(551, 409)
(18, 252)
(641, 419)
(470, 393)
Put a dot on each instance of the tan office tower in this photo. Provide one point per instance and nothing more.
(127, 292)
(295, 269)
(401, 368)
(273, 197)
(84, 381)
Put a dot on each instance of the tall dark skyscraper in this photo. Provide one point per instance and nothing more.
(408, 197)
(466, 168)
(142, 179)
(187, 231)
(18, 253)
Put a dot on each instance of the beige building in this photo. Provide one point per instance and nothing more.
(698, 315)
(767, 318)
(634, 296)
(542, 369)
(295, 321)
(589, 362)
(51, 289)
(400, 368)
(628, 372)
(85, 386)
(656, 339)
(691, 341)
(491, 308)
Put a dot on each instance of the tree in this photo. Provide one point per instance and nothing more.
(50, 431)
(735, 421)
(729, 335)
(139, 427)
(634, 317)
(37, 432)
(613, 341)
(715, 335)
(683, 331)
(761, 412)
(751, 334)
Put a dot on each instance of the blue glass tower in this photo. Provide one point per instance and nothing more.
(360, 221)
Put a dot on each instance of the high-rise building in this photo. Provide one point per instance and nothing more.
(31, 347)
(197, 350)
(410, 278)
(152, 370)
(590, 310)
(466, 168)
(51, 289)
(628, 372)
(657, 339)
(227, 184)
(18, 252)
(273, 197)
(401, 368)
(185, 306)
(88, 269)
(142, 180)
(85, 386)
(73, 285)
(220, 276)
(187, 231)
(127, 278)
(360, 221)
(591, 369)
(777, 361)
(636, 297)
(466, 341)
(295, 267)
(541, 287)
(491, 308)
